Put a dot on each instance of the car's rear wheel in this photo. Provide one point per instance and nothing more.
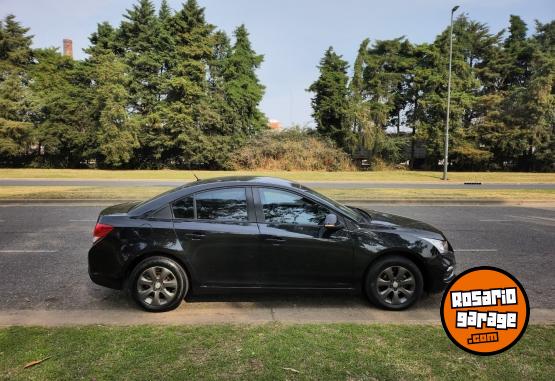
(158, 284)
(394, 283)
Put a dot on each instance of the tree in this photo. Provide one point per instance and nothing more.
(330, 104)
(145, 42)
(15, 44)
(115, 130)
(517, 30)
(103, 40)
(139, 36)
(386, 79)
(116, 135)
(518, 129)
(188, 84)
(242, 87)
(15, 103)
(432, 89)
(15, 127)
(363, 127)
(62, 102)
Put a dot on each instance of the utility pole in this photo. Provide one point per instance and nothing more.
(446, 153)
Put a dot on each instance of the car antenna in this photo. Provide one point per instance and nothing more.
(196, 177)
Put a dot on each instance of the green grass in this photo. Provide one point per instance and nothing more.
(141, 193)
(261, 352)
(394, 176)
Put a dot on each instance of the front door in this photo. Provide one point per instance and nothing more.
(293, 238)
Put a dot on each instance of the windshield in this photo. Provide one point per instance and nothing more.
(349, 212)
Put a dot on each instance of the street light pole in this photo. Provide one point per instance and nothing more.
(446, 153)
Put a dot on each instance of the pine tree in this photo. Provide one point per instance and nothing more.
(15, 99)
(517, 30)
(165, 12)
(104, 40)
(330, 104)
(165, 49)
(62, 99)
(242, 87)
(15, 126)
(362, 126)
(146, 44)
(139, 37)
(387, 76)
(519, 127)
(116, 134)
(431, 76)
(188, 84)
(194, 43)
(15, 44)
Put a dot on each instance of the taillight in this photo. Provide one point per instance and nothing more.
(101, 231)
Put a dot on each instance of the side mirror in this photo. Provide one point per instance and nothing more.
(331, 221)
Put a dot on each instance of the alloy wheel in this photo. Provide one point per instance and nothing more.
(396, 285)
(157, 286)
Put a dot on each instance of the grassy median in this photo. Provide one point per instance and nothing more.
(383, 176)
(265, 352)
(376, 194)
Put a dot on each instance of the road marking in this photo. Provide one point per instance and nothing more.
(496, 220)
(542, 221)
(28, 251)
(82, 220)
(472, 250)
(542, 218)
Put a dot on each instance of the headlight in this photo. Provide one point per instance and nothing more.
(441, 246)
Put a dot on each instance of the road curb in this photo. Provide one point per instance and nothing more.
(228, 314)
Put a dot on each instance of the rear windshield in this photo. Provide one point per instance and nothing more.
(161, 195)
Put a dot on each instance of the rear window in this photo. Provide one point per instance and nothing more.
(184, 208)
(229, 204)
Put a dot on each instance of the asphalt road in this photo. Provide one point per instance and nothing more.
(43, 257)
(312, 184)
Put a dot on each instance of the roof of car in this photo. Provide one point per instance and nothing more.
(210, 183)
(267, 180)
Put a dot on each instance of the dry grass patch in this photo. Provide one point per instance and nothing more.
(186, 176)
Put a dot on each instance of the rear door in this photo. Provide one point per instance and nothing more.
(294, 240)
(219, 235)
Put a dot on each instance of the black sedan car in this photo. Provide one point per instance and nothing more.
(262, 233)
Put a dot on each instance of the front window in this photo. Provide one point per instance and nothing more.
(281, 207)
(349, 212)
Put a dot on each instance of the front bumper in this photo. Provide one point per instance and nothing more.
(442, 272)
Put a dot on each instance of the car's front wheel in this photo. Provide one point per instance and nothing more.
(394, 283)
(158, 284)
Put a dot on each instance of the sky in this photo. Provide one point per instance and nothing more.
(291, 34)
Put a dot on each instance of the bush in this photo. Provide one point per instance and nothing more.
(291, 149)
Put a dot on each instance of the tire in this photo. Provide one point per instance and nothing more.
(158, 284)
(394, 283)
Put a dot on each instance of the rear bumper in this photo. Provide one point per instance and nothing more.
(105, 281)
(105, 266)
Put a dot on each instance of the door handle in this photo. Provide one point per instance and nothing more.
(275, 239)
(340, 239)
(195, 236)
